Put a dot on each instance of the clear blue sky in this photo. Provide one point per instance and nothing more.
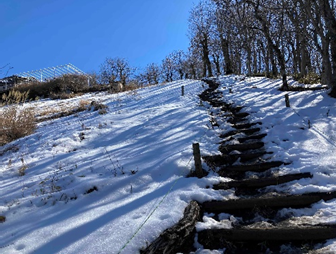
(43, 33)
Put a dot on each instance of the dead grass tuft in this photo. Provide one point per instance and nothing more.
(16, 123)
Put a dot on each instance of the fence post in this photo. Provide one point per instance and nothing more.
(287, 100)
(197, 159)
(182, 90)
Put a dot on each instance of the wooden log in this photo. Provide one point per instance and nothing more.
(262, 182)
(293, 201)
(235, 120)
(243, 114)
(245, 125)
(244, 139)
(240, 147)
(245, 131)
(220, 160)
(236, 109)
(259, 167)
(174, 239)
(216, 238)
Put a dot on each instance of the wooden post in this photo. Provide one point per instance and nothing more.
(197, 158)
(182, 90)
(287, 100)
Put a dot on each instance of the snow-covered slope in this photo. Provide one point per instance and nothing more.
(136, 156)
(112, 183)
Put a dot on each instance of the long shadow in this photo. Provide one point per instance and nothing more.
(61, 242)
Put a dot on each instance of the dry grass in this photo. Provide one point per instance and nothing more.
(84, 104)
(16, 123)
(14, 97)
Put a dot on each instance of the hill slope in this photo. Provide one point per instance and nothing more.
(112, 183)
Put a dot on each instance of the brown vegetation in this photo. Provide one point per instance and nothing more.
(16, 123)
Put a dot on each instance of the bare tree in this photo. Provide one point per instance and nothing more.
(151, 75)
(201, 29)
(178, 58)
(115, 70)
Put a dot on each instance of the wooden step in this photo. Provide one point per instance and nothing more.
(240, 147)
(242, 114)
(235, 120)
(216, 238)
(236, 109)
(259, 167)
(261, 182)
(281, 201)
(224, 159)
(258, 137)
(245, 125)
(234, 132)
(173, 239)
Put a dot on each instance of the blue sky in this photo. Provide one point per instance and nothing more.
(37, 34)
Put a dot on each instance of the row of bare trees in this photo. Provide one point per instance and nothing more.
(255, 37)
(273, 37)
(176, 65)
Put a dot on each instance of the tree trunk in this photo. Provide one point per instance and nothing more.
(206, 59)
(226, 54)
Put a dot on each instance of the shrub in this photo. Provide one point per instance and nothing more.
(16, 123)
(56, 88)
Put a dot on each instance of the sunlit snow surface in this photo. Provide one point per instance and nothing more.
(137, 156)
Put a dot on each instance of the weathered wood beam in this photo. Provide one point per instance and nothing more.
(259, 167)
(173, 239)
(216, 238)
(240, 147)
(261, 182)
(293, 201)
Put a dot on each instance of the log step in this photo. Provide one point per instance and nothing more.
(236, 109)
(240, 147)
(220, 160)
(178, 237)
(242, 114)
(216, 238)
(259, 167)
(245, 125)
(235, 120)
(293, 201)
(260, 136)
(261, 182)
(234, 132)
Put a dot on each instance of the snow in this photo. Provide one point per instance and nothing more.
(112, 183)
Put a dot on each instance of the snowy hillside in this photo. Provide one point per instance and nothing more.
(134, 156)
(112, 183)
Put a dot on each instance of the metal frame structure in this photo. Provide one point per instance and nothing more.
(51, 72)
